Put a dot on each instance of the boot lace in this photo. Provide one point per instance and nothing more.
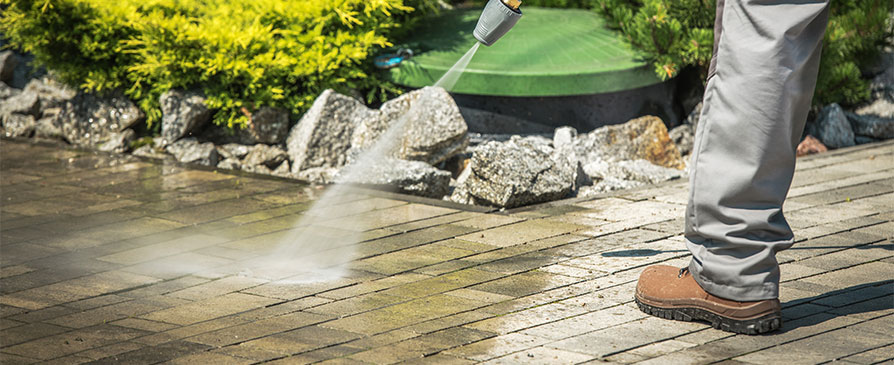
(683, 271)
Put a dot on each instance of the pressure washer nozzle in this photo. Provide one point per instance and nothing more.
(496, 19)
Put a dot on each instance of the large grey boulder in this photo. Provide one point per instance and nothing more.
(269, 156)
(17, 125)
(408, 177)
(182, 112)
(52, 93)
(25, 103)
(322, 137)
(515, 173)
(267, 125)
(119, 142)
(609, 176)
(90, 120)
(189, 150)
(429, 126)
(871, 126)
(644, 138)
(8, 63)
(832, 127)
(683, 137)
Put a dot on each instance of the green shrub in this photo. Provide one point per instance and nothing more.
(676, 34)
(244, 54)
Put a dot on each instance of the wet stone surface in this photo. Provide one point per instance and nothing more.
(121, 259)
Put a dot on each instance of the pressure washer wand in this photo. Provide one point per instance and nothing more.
(496, 19)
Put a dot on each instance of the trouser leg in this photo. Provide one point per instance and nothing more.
(755, 106)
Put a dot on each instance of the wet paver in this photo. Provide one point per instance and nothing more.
(114, 259)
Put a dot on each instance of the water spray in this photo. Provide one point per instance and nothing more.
(496, 19)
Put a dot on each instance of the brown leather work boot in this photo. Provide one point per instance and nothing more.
(672, 293)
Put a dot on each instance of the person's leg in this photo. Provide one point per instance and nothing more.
(756, 101)
(755, 107)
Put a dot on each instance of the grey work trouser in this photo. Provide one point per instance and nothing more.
(756, 101)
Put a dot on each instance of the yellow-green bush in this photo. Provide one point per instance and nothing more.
(244, 54)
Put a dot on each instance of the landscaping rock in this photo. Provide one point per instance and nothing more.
(189, 150)
(832, 127)
(871, 125)
(182, 113)
(17, 125)
(52, 94)
(262, 154)
(693, 117)
(636, 170)
(7, 92)
(317, 175)
(89, 120)
(810, 145)
(47, 128)
(564, 137)
(408, 177)
(431, 128)
(683, 137)
(119, 142)
(267, 125)
(643, 138)
(233, 150)
(283, 170)
(150, 151)
(230, 164)
(322, 137)
(25, 103)
(8, 63)
(515, 173)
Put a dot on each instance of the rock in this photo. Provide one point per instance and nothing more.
(119, 142)
(8, 63)
(636, 170)
(90, 120)
(47, 128)
(810, 145)
(430, 127)
(683, 137)
(151, 152)
(607, 185)
(880, 108)
(515, 173)
(317, 175)
(408, 177)
(283, 170)
(268, 156)
(564, 137)
(189, 150)
(257, 169)
(230, 164)
(182, 113)
(7, 92)
(25, 103)
(871, 125)
(267, 125)
(52, 94)
(832, 127)
(233, 150)
(693, 117)
(17, 125)
(322, 137)
(644, 138)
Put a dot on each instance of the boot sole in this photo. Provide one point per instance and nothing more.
(756, 326)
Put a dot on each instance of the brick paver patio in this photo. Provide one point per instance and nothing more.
(123, 260)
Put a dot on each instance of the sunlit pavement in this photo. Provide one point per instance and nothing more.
(113, 259)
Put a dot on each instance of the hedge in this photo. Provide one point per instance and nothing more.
(673, 35)
(243, 54)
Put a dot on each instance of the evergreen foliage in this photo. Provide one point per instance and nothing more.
(675, 34)
(244, 54)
